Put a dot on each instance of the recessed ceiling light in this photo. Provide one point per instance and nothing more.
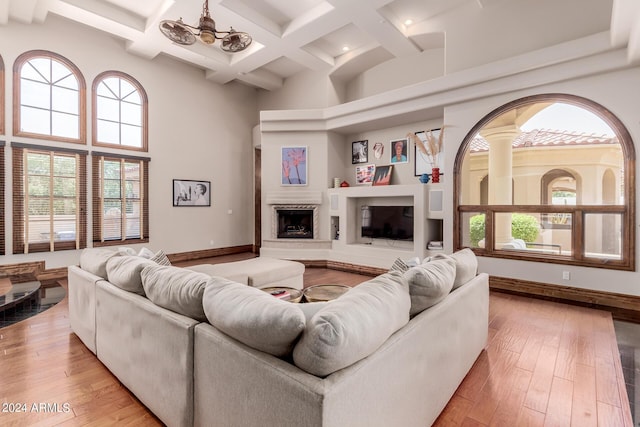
(408, 22)
(345, 48)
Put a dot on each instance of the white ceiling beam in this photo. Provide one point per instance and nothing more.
(262, 79)
(242, 10)
(79, 14)
(633, 49)
(624, 15)
(625, 27)
(4, 12)
(23, 10)
(109, 12)
(386, 34)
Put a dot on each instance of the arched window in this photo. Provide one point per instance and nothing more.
(49, 98)
(119, 112)
(557, 174)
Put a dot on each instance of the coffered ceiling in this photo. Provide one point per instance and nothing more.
(340, 37)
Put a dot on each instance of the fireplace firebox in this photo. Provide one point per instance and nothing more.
(295, 223)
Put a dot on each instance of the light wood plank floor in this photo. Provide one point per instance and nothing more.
(546, 364)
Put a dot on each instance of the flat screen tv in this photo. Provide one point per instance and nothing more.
(388, 222)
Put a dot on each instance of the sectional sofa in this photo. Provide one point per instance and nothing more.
(208, 351)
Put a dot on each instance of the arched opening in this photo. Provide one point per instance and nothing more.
(534, 181)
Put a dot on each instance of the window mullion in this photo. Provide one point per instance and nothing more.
(26, 200)
(77, 201)
(102, 178)
(141, 199)
(51, 194)
(123, 201)
(578, 235)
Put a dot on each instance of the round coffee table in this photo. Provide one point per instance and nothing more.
(19, 293)
(284, 293)
(318, 293)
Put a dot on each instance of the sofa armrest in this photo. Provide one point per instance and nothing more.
(149, 349)
(82, 304)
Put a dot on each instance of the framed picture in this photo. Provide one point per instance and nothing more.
(399, 151)
(359, 152)
(187, 192)
(424, 160)
(382, 175)
(364, 174)
(293, 166)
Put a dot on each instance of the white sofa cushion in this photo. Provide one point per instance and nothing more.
(124, 272)
(430, 282)
(175, 289)
(466, 266)
(252, 316)
(94, 260)
(353, 326)
(146, 253)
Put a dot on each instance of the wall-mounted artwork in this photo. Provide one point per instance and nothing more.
(382, 175)
(428, 150)
(364, 174)
(293, 166)
(400, 150)
(359, 152)
(187, 192)
(378, 149)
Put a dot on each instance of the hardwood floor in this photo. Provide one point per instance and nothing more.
(545, 364)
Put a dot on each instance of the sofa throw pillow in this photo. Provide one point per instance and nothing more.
(399, 265)
(252, 316)
(430, 282)
(353, 326)
(161, 258)
(124, 272)
(466, 266)
(175, 289)
(94, 260)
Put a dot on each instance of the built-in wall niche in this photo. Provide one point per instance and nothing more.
(335, 228)
(434, 234)
(384, 221)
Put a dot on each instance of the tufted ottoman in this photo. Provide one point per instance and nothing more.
(257, 272)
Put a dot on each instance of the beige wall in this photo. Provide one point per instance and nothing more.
(197, 130)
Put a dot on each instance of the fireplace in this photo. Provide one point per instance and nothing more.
(295, 223)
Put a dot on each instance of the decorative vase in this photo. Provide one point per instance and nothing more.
(424, 178)
(435, 175)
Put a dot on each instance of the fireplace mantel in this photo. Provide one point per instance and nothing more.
(294, 197)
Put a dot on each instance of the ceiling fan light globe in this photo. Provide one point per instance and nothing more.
(207, 37)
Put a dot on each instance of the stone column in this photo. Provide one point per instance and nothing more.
(501, 176)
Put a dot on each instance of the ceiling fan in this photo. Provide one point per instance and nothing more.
(184, 34)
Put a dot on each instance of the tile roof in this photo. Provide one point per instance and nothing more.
(547, 138)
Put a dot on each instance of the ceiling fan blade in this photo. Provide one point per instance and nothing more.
(236, 41)
(177, 32)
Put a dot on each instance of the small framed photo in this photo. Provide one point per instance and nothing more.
(364, 174)
(187, 192)
(293, 166)
(400, 150)
(359, 152)
(382, 175)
